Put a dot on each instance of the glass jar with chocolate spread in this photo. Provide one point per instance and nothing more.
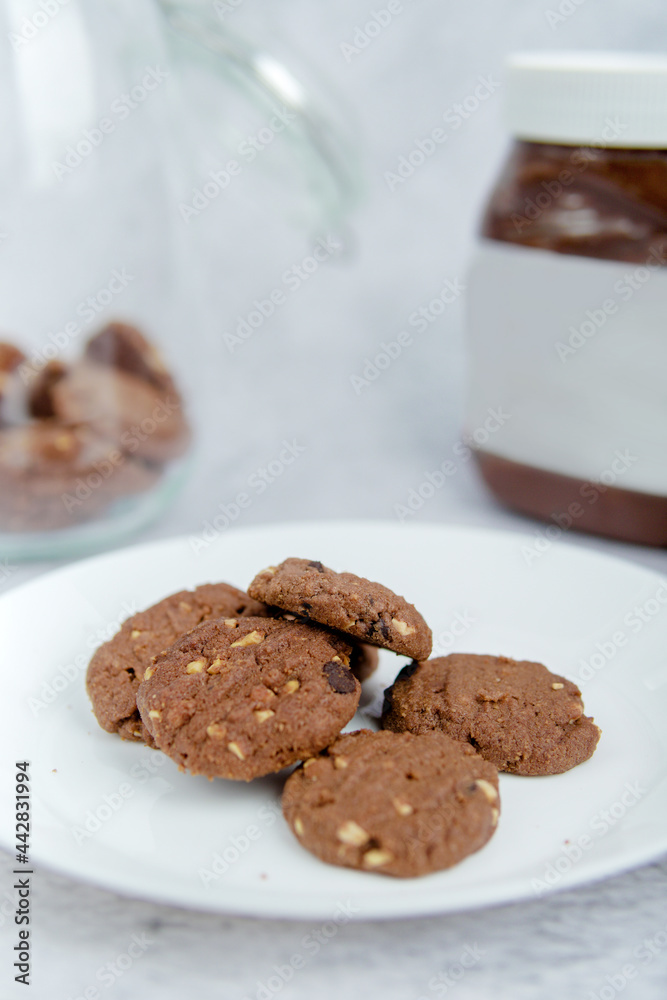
(567, 324)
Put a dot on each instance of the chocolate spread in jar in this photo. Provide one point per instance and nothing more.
(567, 202)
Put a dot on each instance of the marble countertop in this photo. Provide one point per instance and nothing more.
(364, 452)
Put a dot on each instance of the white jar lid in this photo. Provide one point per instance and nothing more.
(588, 98)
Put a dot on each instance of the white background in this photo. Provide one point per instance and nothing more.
(363, 455)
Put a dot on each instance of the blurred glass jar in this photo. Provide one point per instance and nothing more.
(103, 339)
(568, 295)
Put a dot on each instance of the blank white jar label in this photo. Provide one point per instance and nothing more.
(573, 351)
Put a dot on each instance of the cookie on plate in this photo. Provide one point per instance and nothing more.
(117, 668)
(243, 697)
(518, 715)
(357, 607)
(393, 803)
(363, 660)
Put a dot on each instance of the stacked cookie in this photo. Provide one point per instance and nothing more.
(238, 686)
(118, 667)
(76, 437)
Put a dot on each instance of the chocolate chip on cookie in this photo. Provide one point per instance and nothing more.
(393, 803)
(518, 715)
(355, 606)
(244, 697)
(118, 667)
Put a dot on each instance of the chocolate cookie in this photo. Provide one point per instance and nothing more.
(355, 606)
(240, 698)
(362, 661)
(40, 396)
(146, 422)
(123, 347)
(518, 715)
(118, 667)
(11, 358)
(393, 803)
(53, 476)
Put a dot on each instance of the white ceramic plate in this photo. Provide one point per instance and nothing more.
(123, 817)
